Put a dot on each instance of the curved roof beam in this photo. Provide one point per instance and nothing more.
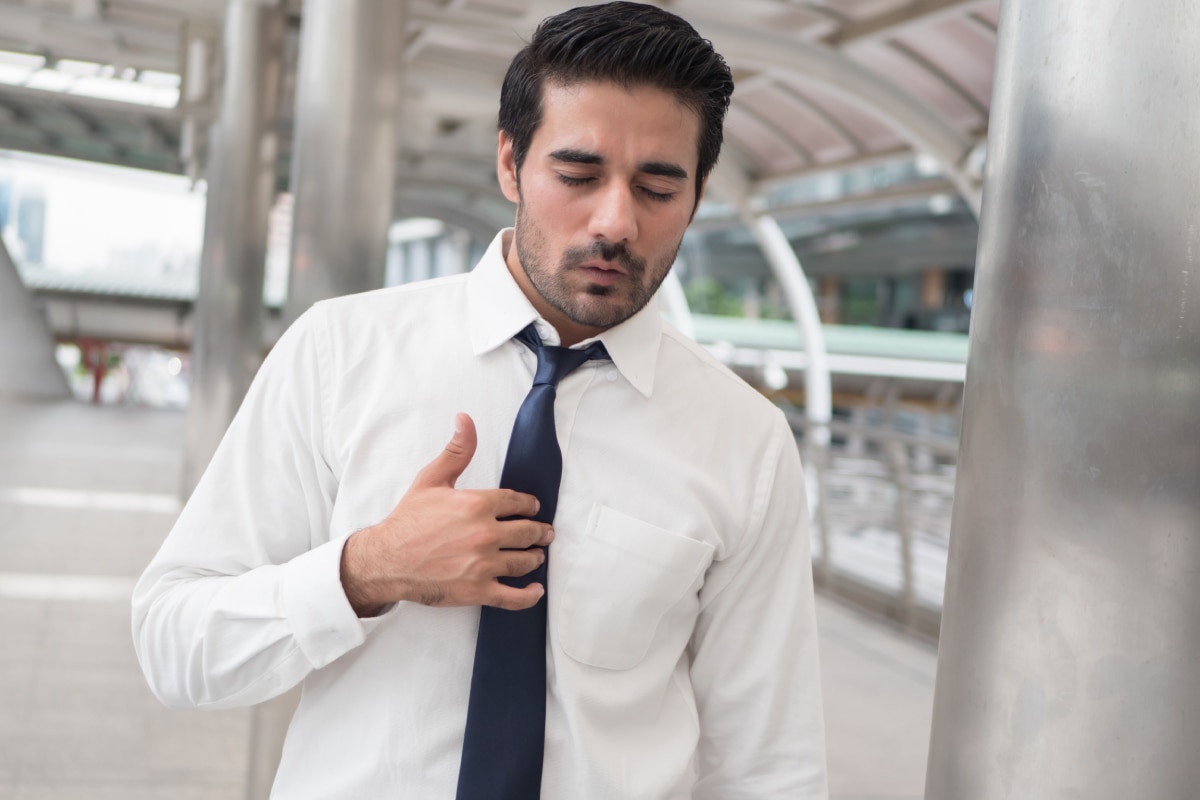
(925, 129)
(889, 23)
(943, 77)
(823, 115)
(775, 129)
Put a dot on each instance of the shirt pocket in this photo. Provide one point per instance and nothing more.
(625, 576)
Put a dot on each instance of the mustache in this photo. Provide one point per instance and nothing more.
(607, 251)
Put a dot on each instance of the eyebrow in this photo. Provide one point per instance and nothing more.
(661, 168)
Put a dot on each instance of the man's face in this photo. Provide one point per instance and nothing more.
(603, 198)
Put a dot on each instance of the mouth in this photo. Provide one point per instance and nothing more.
(605, 273)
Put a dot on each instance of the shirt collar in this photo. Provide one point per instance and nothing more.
(497, 310)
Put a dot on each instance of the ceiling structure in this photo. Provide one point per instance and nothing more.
(820, 85)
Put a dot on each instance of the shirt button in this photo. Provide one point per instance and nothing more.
(612, 375)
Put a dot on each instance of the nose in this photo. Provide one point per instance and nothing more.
(614, 219)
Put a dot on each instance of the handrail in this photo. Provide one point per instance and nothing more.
(881, 518)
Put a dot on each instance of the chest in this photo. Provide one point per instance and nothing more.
(660, 459)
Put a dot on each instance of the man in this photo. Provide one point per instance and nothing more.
(338, 541)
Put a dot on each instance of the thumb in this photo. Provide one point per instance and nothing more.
(449, 464)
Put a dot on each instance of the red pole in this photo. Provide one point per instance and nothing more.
(95, 356)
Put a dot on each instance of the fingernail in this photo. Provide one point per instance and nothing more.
(550, 534)
(458, 423)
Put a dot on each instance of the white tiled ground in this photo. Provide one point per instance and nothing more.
(85, 499)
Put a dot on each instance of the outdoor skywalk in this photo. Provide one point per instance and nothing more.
(86, 495)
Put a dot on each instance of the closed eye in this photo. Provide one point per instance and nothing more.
(571, 180)
(660, 197)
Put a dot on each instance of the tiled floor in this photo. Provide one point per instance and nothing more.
(77, 722)
(76, 719)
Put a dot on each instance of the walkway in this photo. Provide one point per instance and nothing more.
(86, 495)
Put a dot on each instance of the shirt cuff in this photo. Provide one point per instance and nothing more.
(321, 619)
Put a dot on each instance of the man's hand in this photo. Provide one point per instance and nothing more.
(443, 546)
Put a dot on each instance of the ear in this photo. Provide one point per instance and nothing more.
(695, 208)
(506, 169)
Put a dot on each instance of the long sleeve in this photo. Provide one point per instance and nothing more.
(754, 651)
(244, 598)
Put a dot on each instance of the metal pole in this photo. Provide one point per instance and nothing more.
(818, 465)
(897, 460)
(818, 394)
(1069, 643)
(227, 345)
(343, 170)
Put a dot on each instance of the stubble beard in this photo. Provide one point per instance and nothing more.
(607, 309)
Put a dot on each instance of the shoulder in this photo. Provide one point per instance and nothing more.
(424, 309)
(689, 367)
(391, 324)
(367, 306)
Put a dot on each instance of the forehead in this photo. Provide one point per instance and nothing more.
(642, 122)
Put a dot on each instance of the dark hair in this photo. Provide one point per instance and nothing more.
(629, 44)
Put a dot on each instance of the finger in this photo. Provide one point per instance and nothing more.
(508, 503)
(511, 598)
(454, 458)
(515, 563)
(518, 534)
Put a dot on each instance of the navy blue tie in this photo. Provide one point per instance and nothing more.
(506, 714)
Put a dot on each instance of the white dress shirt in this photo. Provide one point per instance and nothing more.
(681, 660)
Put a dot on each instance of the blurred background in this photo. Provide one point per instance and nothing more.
(179, 180)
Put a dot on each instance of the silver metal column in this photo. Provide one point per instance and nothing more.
(347, 107)
(1070, 646)
(227, 346)
(27, 365)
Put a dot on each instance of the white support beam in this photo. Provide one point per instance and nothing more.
(734, 188)
(818, 393)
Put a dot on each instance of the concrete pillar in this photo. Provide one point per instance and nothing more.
(1067, 664)
(28, 368)
(347, 106)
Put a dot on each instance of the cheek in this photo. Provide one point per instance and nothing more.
(668, 229)
(559, 211)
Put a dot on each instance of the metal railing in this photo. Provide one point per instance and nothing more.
(882, 499)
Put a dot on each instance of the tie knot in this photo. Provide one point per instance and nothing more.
(555, 363)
